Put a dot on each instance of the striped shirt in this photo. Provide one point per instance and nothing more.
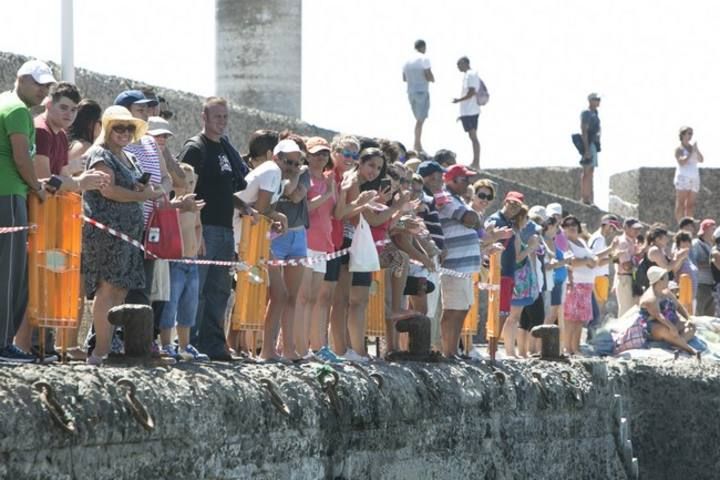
(461, 242)
(432, 219)
(148, 155)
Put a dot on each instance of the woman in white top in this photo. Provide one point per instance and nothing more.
(578, 301)
(687, 174)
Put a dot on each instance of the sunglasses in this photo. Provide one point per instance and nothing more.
(350, 154)
(290, 163)
(570, 224)
(485, 196)
(123, 128)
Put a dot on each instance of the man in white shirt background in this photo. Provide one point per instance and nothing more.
(469, 107)
(418, 75)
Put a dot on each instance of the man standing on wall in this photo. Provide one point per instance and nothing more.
(17, 177)
(590, 131)
(469, 108)
(417, 74)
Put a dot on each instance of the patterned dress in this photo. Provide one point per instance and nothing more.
(105, 257)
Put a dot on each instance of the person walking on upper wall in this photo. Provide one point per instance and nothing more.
(418, 75)
(687, 174)
(469, 107)
(590, 132)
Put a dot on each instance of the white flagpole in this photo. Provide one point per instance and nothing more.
(67, 44)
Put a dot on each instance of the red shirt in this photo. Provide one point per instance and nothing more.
(337, 225)
(319, 234)
(52, 145)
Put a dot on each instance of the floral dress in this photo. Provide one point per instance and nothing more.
(105, 257)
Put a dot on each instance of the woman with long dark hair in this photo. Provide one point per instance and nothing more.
(82, 134)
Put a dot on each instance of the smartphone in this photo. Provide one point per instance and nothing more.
(385, 184)
(145, 178)
(55, 182)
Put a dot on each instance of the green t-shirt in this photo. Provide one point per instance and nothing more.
(14, 118)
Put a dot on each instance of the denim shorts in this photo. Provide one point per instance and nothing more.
(420, 104)
(557, 294)
(292, 244)
(183, 303)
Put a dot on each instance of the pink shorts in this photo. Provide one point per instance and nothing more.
(578, 303)
(506, 289)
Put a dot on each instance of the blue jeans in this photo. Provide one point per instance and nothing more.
(182, 306)
(208, 334)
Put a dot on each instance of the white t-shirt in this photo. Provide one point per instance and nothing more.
(691, 168)
(582, 274)
(267, 177)
(469, 106)
(597, 245)
(414, 71)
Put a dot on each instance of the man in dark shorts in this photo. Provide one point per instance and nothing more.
(469, 108)
(590, 128)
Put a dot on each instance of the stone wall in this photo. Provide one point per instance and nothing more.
(531, 419)
(648, 193)
(187, 106)
(561, 181)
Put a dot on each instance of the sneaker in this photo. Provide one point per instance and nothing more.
(327, 355)
(14, 354)
(352, 356)
(192, 353)
(169, 351)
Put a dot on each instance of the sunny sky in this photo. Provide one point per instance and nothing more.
(654, 62)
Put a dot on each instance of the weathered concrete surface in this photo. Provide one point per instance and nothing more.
(258, 54)
(561, 181)
(216, 421)
(650, 193)
(186, 106)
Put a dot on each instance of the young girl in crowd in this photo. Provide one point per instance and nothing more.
(578, 302)
(180, 310)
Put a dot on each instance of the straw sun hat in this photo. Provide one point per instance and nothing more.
(118, 114)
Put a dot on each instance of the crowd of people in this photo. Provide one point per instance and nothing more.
(427, 215)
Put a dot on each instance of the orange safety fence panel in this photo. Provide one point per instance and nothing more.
(686, 293)
(470, 324)
(376, 306)
(54, 248)
(602, 288)
(492, 328)
(251, 292)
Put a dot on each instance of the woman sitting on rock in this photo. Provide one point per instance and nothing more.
(661, 317)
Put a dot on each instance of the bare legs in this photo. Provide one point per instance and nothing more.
(658, 331)
(586, 184)
(509, 331)
(418, 133)
(684, 203)
(357, 318)
(338, 317)
(450, 328)
(107, 296)
(475, 148)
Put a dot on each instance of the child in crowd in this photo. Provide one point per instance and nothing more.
(180, 311)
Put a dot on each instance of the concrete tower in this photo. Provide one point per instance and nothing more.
(258, 54)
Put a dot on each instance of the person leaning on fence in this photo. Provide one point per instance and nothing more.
(700, 255)
(17, 177)
(111, 266)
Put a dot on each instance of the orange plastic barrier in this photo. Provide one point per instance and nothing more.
(54, 260)
(251, 291)
(492, 329)
(376, 306)
(470, 324)
(602, 288)
(686, 294)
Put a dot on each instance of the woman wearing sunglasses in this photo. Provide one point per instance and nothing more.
(111, 266)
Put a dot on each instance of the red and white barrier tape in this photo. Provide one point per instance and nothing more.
(15, 229)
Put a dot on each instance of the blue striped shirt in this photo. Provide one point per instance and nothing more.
(461, 242)
(148, 155)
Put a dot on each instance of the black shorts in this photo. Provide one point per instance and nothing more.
(469, 122)
(418, 286)
(533, 315)
(332, 269)
(359, 279)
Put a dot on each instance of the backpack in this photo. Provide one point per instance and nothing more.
(482, 96)
(239, 167)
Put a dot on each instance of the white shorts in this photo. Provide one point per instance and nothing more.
(317, 267)
(457, 293)
(685, 183)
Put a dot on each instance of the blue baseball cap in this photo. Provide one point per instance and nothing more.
(130, 97)
(428, 167)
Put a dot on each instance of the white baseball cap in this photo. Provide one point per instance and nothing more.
(159, 126)
(286, 146)
(553, 209)
(40, 72)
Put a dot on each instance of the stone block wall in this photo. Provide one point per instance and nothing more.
(187, 106)
(648, 194)
(562, 181)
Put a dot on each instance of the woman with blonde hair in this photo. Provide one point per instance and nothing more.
(111, 266)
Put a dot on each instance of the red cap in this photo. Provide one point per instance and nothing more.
(515, 196)
(705, 225)
(317, 144)
(457, 170)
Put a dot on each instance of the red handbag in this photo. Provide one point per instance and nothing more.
(162, 235)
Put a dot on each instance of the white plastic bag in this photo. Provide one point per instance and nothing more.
(363, 254)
